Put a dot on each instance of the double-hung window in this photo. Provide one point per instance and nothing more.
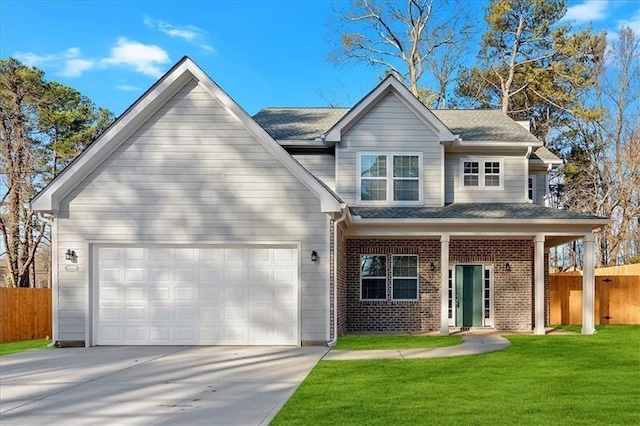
(405, 277)
(373, 277)
(482, 173)
(394, 178)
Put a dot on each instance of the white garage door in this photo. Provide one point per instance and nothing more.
(196, 296)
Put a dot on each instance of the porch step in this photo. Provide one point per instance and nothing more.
(453, 329)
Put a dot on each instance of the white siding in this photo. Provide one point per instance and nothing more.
(389, 127)
(513, 188)
(322, 166)
(191, 175)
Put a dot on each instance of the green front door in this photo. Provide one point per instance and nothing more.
(469, 296)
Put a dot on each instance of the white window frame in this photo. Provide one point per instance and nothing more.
(390, 179)
(417, 277)
(481, 174)
(488, 322)
(531, 188)
(386, 278)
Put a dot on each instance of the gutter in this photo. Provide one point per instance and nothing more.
(345, 213)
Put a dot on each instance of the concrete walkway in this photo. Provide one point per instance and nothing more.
(473, 343)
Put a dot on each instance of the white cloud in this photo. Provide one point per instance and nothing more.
(590, 10)
(144, 58)
(68, 63)
(75, 67)
(33, 59)
(128, 88)
(189, 33)
(633, 23)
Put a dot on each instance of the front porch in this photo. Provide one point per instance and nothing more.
(494, 282)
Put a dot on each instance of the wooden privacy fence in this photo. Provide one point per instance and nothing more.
(617, 299)
(25, 314)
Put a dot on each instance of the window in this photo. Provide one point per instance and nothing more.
(373, 276)
(491, 173)
(487, 296)
(405, 277)
(532, 188)
(390, 178)
(481, 174)
(471, 173)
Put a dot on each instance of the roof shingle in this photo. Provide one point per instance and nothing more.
(508, 211)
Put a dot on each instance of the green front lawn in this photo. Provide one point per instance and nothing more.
(541, 380)
(13, 347)
(364, 342)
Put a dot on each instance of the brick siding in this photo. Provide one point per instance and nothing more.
(513, 290)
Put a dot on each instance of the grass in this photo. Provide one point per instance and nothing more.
(353, 342)
(14, 347)
(538, 380)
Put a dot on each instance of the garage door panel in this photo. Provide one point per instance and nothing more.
(211, 295)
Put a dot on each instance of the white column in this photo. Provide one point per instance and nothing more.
(444, 285)
(538, 261)
(588, 286)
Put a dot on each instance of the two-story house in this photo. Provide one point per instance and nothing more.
(190, 222)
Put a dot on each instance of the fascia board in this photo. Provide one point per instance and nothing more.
(49, 198)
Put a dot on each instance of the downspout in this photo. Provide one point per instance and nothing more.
(345, 212)
(54, 304)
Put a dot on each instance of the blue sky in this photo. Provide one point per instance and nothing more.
(262, 53)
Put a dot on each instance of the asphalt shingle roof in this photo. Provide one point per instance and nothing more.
(524, 211)
(471, 125)
(544, 154)
(298, 123)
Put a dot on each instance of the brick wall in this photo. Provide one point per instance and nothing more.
(512, 289)
(389, 315)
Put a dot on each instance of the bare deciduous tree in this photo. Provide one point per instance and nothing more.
(403, 40)
(603, 173)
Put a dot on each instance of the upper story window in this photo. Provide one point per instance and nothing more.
(394, 178)
(482, 173)
(532, 189)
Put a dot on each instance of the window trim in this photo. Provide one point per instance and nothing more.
(386, 277)
(390, 179)
(417, 277)
(481, 160)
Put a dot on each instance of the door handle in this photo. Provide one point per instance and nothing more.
(457, 302)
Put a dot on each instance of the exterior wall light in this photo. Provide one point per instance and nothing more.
(314, 256)
(432, 266)
(71, 255)
(507, 267)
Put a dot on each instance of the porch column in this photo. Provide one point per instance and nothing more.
(538, 261)
(588, 286)
(444, 284)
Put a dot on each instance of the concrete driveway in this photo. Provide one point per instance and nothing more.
(151, 385)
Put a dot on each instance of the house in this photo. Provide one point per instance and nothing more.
(190, 222)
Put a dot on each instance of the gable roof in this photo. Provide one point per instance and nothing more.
(388, 85)
(470, 125)
(166, 87)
